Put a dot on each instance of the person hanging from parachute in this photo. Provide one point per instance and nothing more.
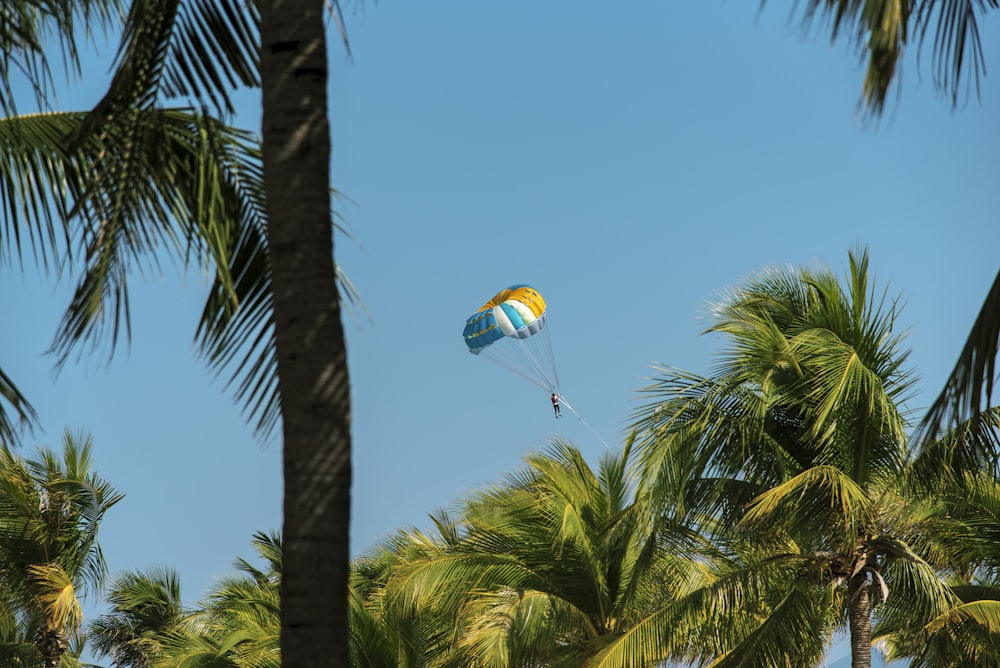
(510, 330)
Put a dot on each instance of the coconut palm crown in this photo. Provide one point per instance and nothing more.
(798, 441)
(51, 507)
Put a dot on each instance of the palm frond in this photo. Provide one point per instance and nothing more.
(917, 596)
(173, 180)
(154, 180)
(717, 607)
(144, 607)
(498, 634)
(180, 48)
(162, 179)
(822, 495)
(794, 633)
(24, 415)
(35, 167)
(969, 448)
(56, 595)
(34, 31)
(880, 31)
(985, 613)
(969, 388)
(957, 45)
(237, 625)
(384, 634)
(214, 50)
(696, 430)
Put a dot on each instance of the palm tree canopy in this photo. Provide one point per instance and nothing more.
(144, 608)
(51, 507)
(798, 443)
(555, 565)
(812, 376)
(130, 178)
(238, 625)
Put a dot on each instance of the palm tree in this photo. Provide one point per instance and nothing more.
(798, 441)
(145, 608)
(119, 181)
(50, 510)
(237, 625)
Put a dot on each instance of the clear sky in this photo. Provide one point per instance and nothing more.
(628, 162)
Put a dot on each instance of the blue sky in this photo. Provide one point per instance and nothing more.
(630, 164)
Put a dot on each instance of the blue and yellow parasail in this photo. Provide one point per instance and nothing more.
(510, 330)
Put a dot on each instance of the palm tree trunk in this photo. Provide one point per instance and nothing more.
(51, 645)
(860, 620)
(309, 337)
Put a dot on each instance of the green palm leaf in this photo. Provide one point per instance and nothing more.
(822, 496)
(33, 31)
(797, 443)
(189, 49)
(26, 417)
(145, 607)
(969, 388)
(880, 31)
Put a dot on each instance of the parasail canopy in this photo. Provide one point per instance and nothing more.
(510, 330)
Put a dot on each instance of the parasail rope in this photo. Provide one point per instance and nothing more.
(565, 403)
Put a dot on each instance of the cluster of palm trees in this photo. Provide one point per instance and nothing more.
(51, 508)
(237, 625)
(753, 517)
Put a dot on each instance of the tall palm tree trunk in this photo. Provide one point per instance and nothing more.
(860, 620)
(309, 337)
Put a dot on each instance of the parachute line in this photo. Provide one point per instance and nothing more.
(529, 358)
(562, 400)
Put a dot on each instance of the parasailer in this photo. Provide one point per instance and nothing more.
(510, 330)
